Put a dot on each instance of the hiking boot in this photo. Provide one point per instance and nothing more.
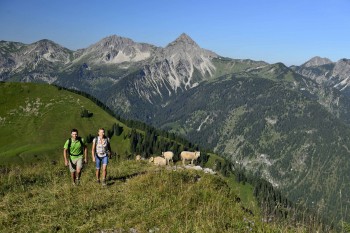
(104, 182)
(98, 181)
(77, 181)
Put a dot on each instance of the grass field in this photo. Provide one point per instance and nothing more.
(33, 128)
(138, 198)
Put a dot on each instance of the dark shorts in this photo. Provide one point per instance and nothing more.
(99, 160)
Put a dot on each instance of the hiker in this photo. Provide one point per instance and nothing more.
(101, 149)
(75, 147)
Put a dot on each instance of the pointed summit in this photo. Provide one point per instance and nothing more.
(183, 39)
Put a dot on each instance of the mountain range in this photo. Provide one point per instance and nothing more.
(288, 124)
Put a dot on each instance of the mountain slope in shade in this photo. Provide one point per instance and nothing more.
(276, 132)
(333, 84)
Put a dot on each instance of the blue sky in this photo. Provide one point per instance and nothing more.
(273, 31)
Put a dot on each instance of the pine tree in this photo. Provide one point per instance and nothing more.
(118, 130)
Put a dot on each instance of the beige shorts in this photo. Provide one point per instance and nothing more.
(75, 164)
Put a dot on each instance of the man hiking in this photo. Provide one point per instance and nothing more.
(101, 148)
(75, 148)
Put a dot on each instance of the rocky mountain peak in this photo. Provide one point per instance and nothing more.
(178, 62)
(112, 42)
(45, 41)
(46, 46)
(115, 40)
(317, 61)
(183, 41)
(114, 50)
(40, 52)
(324, 71)
(184, 47)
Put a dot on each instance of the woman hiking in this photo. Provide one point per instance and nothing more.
(100, 150)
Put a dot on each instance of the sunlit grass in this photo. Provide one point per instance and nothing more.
(138, 196)
(39, 117)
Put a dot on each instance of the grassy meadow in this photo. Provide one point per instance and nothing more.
(33, 128)
(138, 197)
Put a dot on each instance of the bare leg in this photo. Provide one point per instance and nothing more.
(98, 174)
(104, 172)
(73, 177)
(78, 173)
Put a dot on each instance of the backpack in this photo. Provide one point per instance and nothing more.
(107, 150)
(70, 143)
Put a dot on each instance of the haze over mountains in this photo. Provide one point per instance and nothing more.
(288, 124)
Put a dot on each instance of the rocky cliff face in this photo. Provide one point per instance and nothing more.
(181, 65)
(341, 75)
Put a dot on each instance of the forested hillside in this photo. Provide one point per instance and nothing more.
(272, 130)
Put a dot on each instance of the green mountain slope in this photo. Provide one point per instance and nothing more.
(36, 119)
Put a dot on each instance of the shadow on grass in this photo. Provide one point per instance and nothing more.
(112, 179)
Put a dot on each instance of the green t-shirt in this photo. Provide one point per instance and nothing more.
(76, 149)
